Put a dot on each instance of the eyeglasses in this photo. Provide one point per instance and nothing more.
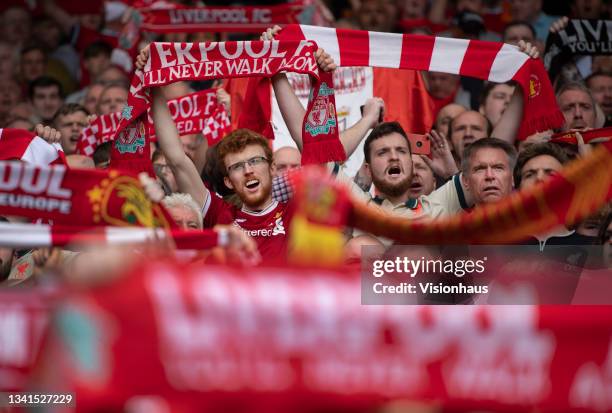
(239, 167)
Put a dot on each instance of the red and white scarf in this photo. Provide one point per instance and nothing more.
(20, 144)
(84, 197)
(197, 112)
(14, 235)
(495, 62)
(172, 62)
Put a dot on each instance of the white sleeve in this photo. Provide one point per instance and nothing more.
(449, 199)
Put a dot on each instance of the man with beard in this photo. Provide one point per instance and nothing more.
(70, 120)
(389, 164)
(246, 160)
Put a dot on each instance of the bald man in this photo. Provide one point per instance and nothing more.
(285, 159)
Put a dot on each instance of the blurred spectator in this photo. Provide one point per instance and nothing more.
(466, 128)
(184, 210)
(24, 110)
(445, 88)
(164, 173)
(80, 161)
(7, 61)
(531, 11)
(518, 30)
(600, 85)
(92, 96)
(113, 74)
(423, 179)
(112, 99)
(377, 15)
(470, 25)
(46, 96)
(191, 143)
(16, 25)
(10, 96)
(577, 105)
(445, 115)
(494, 100)
(96, 58)
(588, 9)
(286, 159)
(33, 62)
(47, 32)
(538, 162)
(70, 120)
(20, 123)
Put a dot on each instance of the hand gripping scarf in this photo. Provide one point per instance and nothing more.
(172, 62)
(495, 62)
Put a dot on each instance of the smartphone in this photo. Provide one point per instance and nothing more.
(419, 144)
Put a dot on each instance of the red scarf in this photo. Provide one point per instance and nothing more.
(496, 62)
(85, 197)
(249, 19)
(43, 236)
(164, 17)
(194, 113)
(20, 144)
(590, 136)
(172, 62)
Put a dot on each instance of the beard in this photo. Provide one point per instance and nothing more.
(393, 190)
(255, 200)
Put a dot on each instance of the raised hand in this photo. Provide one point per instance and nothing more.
(442, 162)
(325, 61)
(48, 133)
(528, 49)
(270, 33)
(141, 59)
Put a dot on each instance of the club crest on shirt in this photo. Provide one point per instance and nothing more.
(279, 227)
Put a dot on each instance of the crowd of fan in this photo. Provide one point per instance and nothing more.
(60, 69)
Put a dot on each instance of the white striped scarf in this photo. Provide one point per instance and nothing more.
(22, 236)
(24, 145)
(492, 61)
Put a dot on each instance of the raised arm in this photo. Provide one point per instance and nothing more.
(187, 176)
(510, 122)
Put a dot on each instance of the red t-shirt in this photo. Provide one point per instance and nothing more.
(269, 228)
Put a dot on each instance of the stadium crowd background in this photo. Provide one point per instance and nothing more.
(60, 66)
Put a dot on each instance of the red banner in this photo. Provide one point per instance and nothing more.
(203, 338)
(77, 196)
(218, 18)
(197, 112)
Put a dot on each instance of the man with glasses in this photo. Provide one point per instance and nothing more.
(246, 161)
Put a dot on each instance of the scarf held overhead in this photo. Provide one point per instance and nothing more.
(250, 19)
(579, 37)
(194, 113)
(495, 62)
(172, 62)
